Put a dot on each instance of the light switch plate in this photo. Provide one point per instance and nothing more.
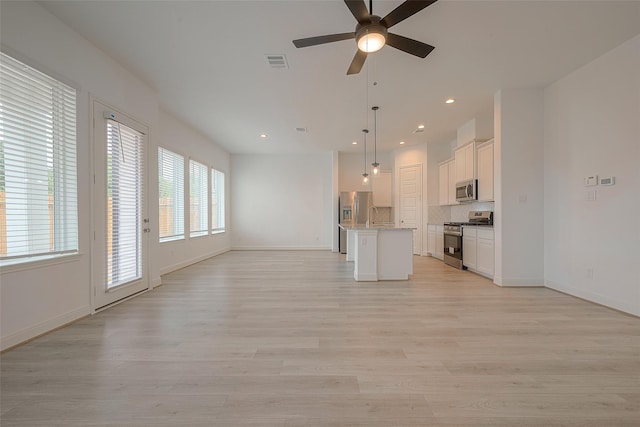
(590, 181)
(610, 180)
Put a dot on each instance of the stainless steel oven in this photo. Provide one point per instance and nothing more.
(453, 232)
(453, 245)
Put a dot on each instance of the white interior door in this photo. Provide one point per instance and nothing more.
(411, 203)
(121, 225)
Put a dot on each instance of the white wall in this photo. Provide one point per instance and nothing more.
(592, 126)
(36, 300)
(282, 201)
(180, 138)
(519, 189)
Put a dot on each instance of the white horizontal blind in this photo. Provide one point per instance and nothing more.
(171, 203)
(199, 202)
(217, 201)
(38, 184)
(125, 170)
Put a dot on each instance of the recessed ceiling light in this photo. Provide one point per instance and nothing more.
(401, 142)
(263, 135)
(450, 101)
(354, 143)
(420, 126)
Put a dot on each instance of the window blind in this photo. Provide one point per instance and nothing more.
(171, 191)
(125, 172)
(198, 200)
(38, 183)
(217, 201)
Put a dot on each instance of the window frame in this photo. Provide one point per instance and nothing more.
(220, 201)
(62, 165)
(180, 206)
(204, 168)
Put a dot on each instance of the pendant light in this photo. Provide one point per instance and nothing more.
(365, 175)
(375, 163)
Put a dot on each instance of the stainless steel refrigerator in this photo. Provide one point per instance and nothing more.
(354, 210)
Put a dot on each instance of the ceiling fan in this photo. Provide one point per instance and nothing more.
(371, 32)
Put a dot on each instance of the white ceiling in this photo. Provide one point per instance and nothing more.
(206, 60)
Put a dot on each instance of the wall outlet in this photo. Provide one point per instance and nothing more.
(589, 273)
(590, 181)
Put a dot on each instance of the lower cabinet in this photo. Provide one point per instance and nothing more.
(435, 241)
(478, 250)
(469, 252)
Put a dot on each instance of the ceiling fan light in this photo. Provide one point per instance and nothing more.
(371, 42)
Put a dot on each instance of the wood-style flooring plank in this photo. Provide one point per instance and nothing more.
(284, 338)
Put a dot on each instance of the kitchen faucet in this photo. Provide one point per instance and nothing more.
(369, 213)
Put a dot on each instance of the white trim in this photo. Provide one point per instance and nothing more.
(281, 248)
(594, 297)
(511, 282)
(155, 282)
(44, 261)
(183, 264)
(43, 327)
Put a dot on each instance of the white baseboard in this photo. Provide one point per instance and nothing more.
(281, 248)
(183, 264)
(520, 282)
(43, 327)
(594, 297)
(155, 282)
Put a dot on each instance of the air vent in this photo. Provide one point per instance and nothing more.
(301, 130)
(277, 61)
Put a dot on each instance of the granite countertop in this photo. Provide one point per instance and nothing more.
(378, 226)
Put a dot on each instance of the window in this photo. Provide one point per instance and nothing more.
(38, 184)
(171, 183)
(198, 200)
(217, 201)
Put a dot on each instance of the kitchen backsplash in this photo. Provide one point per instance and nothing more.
(438, 214)
(381, 215)
(460, 213)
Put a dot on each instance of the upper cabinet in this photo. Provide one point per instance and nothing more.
(381, 185)
(465, 159)
(485, 172)
(446, 183)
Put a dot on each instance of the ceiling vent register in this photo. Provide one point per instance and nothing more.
(277, 61)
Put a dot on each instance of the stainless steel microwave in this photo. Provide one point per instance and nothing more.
(466, 191)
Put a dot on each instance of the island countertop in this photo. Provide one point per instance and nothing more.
(379, 226)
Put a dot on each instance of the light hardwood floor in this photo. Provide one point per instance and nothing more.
(290, 339)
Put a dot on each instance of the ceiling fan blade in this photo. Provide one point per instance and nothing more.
(312, 41)
(359, 10)
(405, 10)
(357, 63)
(414, 47)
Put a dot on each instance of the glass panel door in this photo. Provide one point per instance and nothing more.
(120, 221)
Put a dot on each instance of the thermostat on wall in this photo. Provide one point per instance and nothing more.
(610, 180)
(591, 181)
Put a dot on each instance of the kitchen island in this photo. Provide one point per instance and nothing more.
(380, 252)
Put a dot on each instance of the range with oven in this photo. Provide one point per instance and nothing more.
(453, 236)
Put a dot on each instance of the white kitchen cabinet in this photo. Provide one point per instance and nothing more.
(465, 161)
(485, 252)
(381, 185)
(439, 251)
(446, 183)
(452, 183)
(485, 172)
(478, 250)
(431, 240)
(469, 253)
